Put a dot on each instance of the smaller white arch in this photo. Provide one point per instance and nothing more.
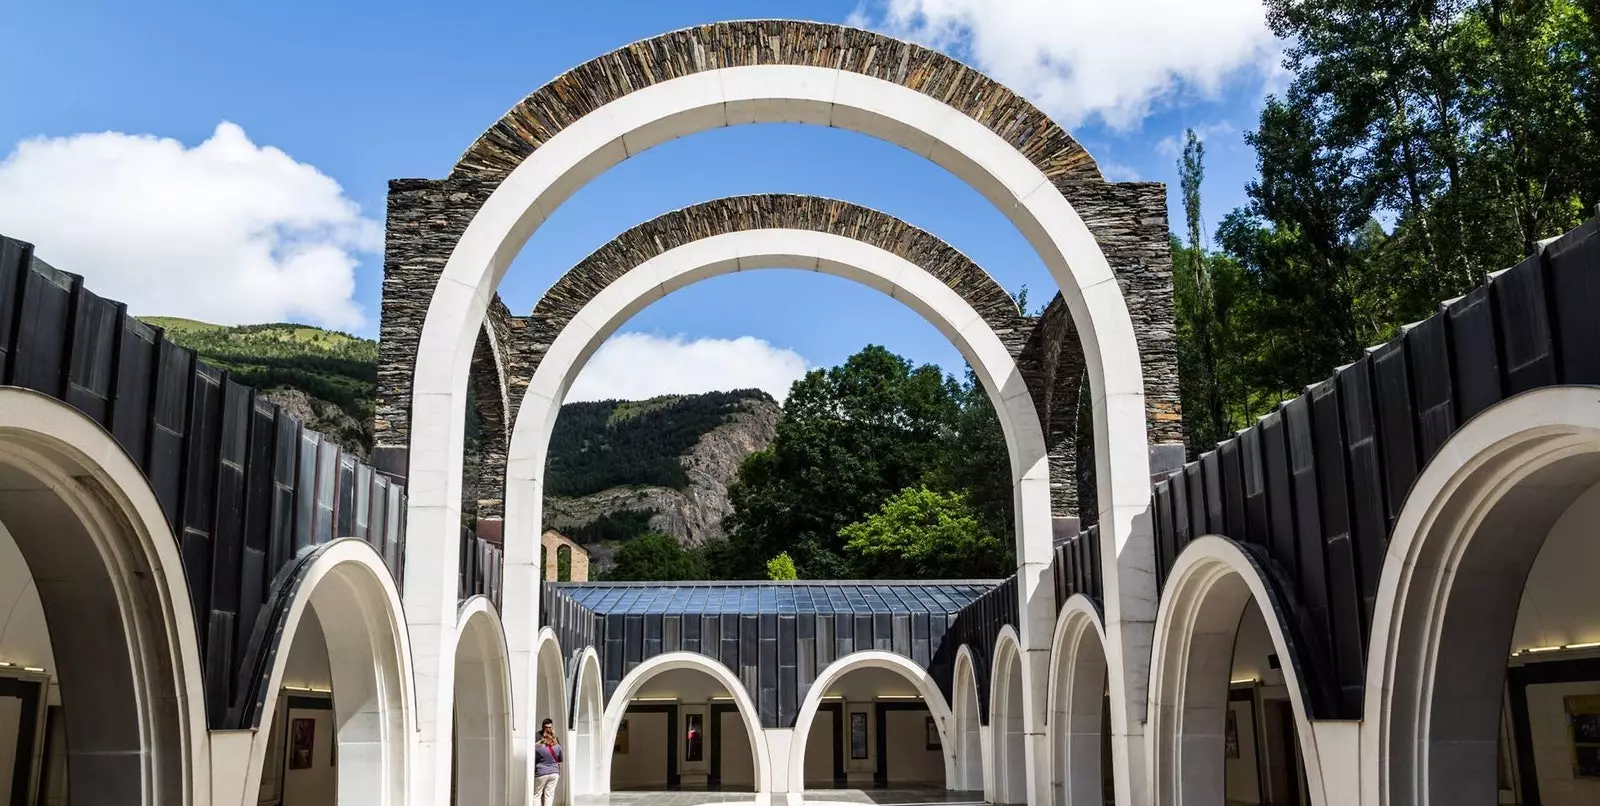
(1076, 696)
(345, 585)
(482, 706)
(1470, 530)
(869, 659)
(1008, 706)
(548, 702)
(667, 662)
(1207, 591)
(972, 765)
(587, 706)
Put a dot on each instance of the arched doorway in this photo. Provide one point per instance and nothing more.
(969, 744)
(550, 703)
(1006, 721)
(1482, 676)
(336, 707)
(588, 705)
(482, 708)
(1079, 721)
(654, 741)
(84, 546)
(872, 718)
(1226, 695)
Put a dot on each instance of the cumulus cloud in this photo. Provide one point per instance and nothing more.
(225, 231)
(1172, 145)
(1118, 172)
(1092, 59)
(635, 366)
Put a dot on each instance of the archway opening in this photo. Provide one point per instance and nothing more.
(550, 703)
(588, 719)
(683, 729)
(873, 727)
(100, 697)
(482, 712)
(1006, 723)
(968, 727)
(1260, 741)
(1080, 716)
(302, 747)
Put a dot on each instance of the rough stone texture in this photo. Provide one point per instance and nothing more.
(1051, 361)
(552, 542)
(695, 514)
(595, 83)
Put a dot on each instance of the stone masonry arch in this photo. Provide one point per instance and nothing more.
(451, 241)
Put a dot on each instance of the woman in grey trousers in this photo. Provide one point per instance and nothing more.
(546, 765)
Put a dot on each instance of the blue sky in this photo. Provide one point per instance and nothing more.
(365, 92)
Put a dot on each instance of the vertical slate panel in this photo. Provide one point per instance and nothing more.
(15, 257)
(254, 571)
(345, 496)
(1391, 380)
(1282, 543)
(1574, 277)
(788, 674)
(1199, 524)
(44, 329)
(174, 376)
(91, 375)
(305, 490)
(327, 489)
(1182, 528)
(135, 387)
(1369, 532)
(200, 484)
(1428, 354)
(227, 542)
(1310, 548)
(1474, 355)
(1211, 471)
(1165, 553)
(1527, 357)
(1344, 583)
(1232, 489)
(1255, 487)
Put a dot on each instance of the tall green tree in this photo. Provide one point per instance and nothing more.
(924, 534)
(655, 557)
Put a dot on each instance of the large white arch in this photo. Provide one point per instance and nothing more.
(483, 707)
(972, 754)
(587, 706)
(700, 101)
(869, 659)
(1207, 591)
(109, 575)
(1077, 693)
(618, 707)
(759, 249)
(1009, 701)
(1447, 601)
(549, 702)
(347, 588)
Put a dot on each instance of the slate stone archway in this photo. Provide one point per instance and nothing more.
(450, 241)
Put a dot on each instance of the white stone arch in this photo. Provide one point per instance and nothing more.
(700, 101)
(1447, 601)
(109, 574)
(483, 706)
(869, 659)
(1008, 703)
(1076, 704)
(1207, 591)
(971, 748)
(347, 588)
(587, 707)
(549, 701)
(666, 662)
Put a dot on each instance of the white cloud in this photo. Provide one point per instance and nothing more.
(1171, 146)
(635, 366)
(1118, 172)
(1083, 59)
(226, 231)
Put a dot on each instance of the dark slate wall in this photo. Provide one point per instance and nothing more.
(977, 627)
(1314, 488)
(244, 487)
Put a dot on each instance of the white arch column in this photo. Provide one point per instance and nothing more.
(818, 95)
(972, 755)
(1077, 693)
(588, 707)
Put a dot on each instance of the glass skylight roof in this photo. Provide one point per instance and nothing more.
(754, 599)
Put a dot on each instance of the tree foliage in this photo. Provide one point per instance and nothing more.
(655, 557)
(781, 568)
(924, 534)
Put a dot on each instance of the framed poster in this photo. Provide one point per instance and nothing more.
(621, 746)
(302, 741)
(694, 745)
(1583, 731)
(1230, 739)
(858, 735)
(932, 738)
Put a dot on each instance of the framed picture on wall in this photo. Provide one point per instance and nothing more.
(621, 747)
(932, 735)
(858, 735)
(302, 741)
(694, 739)
(1583, 730)
(1230, 739)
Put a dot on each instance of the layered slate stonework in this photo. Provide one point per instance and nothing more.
(775, 637)
(1311, 492)
(428, 217)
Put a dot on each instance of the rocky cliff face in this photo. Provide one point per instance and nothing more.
(695, 514)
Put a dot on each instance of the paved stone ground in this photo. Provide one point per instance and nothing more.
(884, 797)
